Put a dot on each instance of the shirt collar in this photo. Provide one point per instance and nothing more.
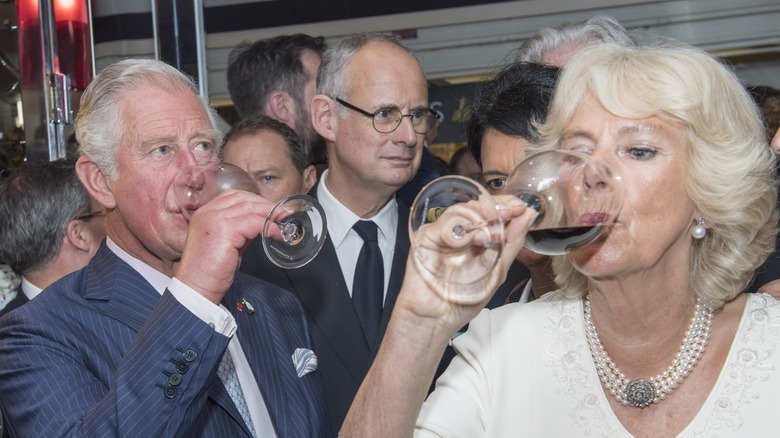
(340, 218)
(157, 279)
(30, 290)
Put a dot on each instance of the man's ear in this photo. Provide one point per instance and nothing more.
(95, 182)
(310, 176)
(78, 236)
(281, 107)
(324, 117)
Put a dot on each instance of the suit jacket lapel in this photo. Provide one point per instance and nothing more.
(265, 347)
(397, 271)
(321, 288)
(130, 300)
(129, 296)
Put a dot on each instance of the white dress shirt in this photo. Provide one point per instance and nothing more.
(347, 241)
(30, 290)
(223, 323)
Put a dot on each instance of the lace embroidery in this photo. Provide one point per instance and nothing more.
(746, 369)
(569, 362)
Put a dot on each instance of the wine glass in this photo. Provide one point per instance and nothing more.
(456, 268)
(294, 230)
(576, 196)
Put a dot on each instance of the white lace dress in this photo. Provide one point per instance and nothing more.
(525, 370)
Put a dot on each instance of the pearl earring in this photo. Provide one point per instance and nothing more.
(698, 232)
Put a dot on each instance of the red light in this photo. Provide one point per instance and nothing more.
(73, 42)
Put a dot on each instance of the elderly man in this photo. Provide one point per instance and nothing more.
(50, 225)
(152, 338)
(273, 155)
(372, 110)
(275, 77)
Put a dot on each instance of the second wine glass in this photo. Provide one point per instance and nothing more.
(577, 198)
(294, 230)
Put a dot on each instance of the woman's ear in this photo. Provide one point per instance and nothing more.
(95, 182)
(324, 117)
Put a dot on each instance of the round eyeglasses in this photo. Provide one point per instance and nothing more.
(387, 120)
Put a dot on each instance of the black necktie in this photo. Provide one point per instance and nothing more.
(369, 284)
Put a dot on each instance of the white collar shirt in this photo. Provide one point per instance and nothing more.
(346, 240)
(29, 290)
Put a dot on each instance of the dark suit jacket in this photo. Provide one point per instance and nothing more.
(102, 354)
(338, 337)
(17, 302)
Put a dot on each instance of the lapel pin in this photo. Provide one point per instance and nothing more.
(244, 303)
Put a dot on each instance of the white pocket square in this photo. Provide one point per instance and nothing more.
(305, 361)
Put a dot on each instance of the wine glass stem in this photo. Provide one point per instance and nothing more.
(289, 231)
(460, 230)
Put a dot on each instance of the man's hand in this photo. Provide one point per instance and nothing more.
(218, 234)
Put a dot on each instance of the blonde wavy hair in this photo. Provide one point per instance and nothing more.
(731, 169)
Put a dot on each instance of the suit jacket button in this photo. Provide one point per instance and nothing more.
(171, 392)
(190, 355)
(174, 379)
(182, 367)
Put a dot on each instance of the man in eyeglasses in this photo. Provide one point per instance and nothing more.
(372, 110)
(50, 225)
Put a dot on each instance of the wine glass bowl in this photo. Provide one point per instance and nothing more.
(294, 230)
(460, 263)
(197, 184)
(577, 196)
(457, 234)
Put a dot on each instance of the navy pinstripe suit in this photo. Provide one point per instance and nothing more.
(100, 353)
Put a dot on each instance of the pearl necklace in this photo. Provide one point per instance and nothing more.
(641, 392)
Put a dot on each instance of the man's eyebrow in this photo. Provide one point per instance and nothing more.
(263, 170)
(158, 139)
(208, 133)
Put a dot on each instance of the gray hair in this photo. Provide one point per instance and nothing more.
(730, 170)
(567, 37)
(99, 124)
(38, 201)
(332, 77)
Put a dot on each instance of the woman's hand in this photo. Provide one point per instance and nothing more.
(423, 320)
(426, 298)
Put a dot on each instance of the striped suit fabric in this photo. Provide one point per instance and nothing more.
(100, 353)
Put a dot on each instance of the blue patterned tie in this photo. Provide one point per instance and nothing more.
(369, 283)
(227, 373)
